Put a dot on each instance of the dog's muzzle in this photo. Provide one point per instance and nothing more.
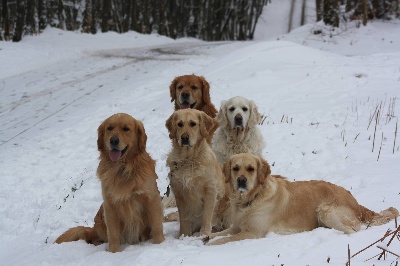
(114, 142)
(185, 141)
(239, 120)
(242, 182)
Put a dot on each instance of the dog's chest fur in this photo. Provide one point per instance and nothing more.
(186, 173)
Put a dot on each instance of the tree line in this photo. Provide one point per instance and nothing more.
(334, 11)
(209, 20)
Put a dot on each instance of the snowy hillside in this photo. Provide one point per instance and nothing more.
(319, 94)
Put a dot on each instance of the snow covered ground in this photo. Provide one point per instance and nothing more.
(319, 93)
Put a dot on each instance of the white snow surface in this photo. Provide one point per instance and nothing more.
(318, 93)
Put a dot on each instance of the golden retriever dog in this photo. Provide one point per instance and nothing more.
(191, 92)
(131, 209)
(237, 132)
(265, 203)
(196, 178)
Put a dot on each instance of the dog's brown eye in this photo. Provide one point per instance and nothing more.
(110, 128)
(194, 87)
(250, 169)
(180, 124)
(245, 109)
(180, 87)
(125, 129)
(192, 124)
(232, 109)
(235, 168)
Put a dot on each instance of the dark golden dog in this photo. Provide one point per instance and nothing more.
(191, 91)
(131, 209)
(265, 203)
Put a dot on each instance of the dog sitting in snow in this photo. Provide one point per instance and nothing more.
(131, 211)
(196, 178)
(237, 132)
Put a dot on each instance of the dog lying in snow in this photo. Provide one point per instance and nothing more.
(265, 203)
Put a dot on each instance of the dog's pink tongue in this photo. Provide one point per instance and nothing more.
(115, 154)
(185, 106)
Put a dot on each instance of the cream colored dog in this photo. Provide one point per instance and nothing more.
(237, 132)
(196, 178)
(265, 203)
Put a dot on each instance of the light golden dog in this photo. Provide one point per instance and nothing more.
(265, 203)
(237, 132)
(202, 197)
(131, 209)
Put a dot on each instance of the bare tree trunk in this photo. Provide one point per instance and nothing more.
(31, 17)
(20, 20)
(331, 12)
(291, 15)
(318, 4)
(42, 8)
(303, 13)
(106, 15)
(5, 20)
(61, 15)
(365, 12)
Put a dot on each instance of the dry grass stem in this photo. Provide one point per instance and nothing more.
(395, 136)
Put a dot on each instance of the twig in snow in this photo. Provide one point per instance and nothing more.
(372, 116)
(376, 123)
(380, 148)
(348, 253)
(388, 233)
(386, 250)
(356, 137)
(395, 135)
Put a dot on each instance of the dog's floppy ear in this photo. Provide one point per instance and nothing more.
(206, 123)
(100, 136)
(169, 124)
(255, 116)
(172, 88)
(221, 118)
(205, 90)
(142, 137)
(226, 169)
(263, 170)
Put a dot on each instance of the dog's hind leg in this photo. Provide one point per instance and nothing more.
(341, 218)
(240, 236)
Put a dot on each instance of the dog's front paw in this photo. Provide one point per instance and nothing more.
(158, 239)
(206, 239)
(113, 248)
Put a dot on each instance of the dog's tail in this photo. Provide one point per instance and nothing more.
(75, 234)
(168, 200)
(95, 235)
(372, 218)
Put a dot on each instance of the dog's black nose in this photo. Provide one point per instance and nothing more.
(185, 95)
(241, 181)
(185, 139)
(238, 120)
(114, 141)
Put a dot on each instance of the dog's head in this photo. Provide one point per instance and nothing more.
(121, 136)
(190, 91)
(238, 113)
(245, 172)
(188, 127)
